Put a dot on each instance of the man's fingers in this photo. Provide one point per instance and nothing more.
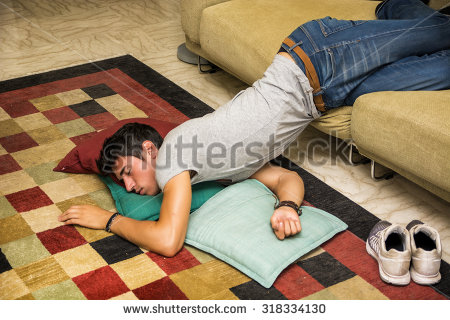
(275, 222)
(279, 232)
(299, 226)
(72, 209)
(294, 229)
(72, 221)
(68, 216)
(277, 227)
(72, 212)
(76, 209)
(68, 221)
(296, 225)
(287, 228)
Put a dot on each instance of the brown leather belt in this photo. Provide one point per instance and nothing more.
(310, 73)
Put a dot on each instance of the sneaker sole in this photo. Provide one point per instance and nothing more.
(424, 279)
(388, 278)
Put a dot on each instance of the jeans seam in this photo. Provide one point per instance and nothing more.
(326, 34)
(333, 68)
(313, 44)
(378, 35)
(322, 27)
(399, 30)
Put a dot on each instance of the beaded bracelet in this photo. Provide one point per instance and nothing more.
(290, 204)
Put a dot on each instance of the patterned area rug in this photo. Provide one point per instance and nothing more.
(42, 117)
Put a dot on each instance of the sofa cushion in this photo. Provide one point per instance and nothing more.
(335, 122)
(191, 14)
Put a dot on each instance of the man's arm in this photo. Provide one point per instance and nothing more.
(165, 236)
(287, 185)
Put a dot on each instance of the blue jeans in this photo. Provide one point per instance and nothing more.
(407, 48)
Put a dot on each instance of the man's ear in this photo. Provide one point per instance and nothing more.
(149, 149)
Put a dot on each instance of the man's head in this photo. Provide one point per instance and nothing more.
(130, 154)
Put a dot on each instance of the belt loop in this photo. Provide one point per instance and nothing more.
(295, 45)
(310, 72)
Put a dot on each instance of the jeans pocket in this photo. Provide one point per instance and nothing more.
(329, 25)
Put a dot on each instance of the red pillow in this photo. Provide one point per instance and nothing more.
(82, 158)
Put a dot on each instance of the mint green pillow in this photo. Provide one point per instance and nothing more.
(234, 225)
(145, 207)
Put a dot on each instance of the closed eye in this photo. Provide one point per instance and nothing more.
(122, 172)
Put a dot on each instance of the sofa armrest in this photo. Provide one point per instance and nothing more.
(191, 13)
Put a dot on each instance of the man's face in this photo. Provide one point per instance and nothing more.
(137, 174)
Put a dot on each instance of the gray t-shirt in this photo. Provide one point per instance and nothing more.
(237, 139)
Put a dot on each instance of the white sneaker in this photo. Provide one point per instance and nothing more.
(389, 244)
(426, 252)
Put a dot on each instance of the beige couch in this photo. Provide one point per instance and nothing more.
(408, 132)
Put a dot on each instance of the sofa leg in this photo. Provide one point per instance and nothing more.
(354, 157)
(212, 68)
(387, 174)
(185, 55)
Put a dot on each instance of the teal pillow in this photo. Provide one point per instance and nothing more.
(234, 225)
(145, 207)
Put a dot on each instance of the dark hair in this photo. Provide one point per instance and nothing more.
(127, 141)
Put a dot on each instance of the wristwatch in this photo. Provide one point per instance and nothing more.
(291, 204)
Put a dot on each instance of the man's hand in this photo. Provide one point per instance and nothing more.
(288, 186)
(86, 216)
(285, 222)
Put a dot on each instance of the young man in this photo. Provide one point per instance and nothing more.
(323, 64)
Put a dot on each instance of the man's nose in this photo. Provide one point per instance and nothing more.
(129, 183)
